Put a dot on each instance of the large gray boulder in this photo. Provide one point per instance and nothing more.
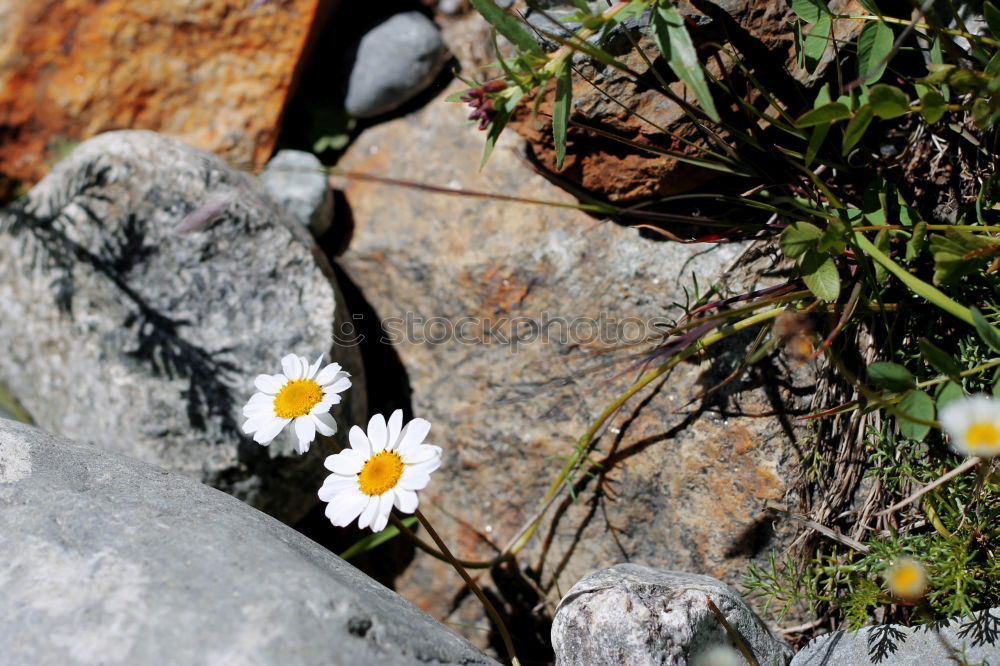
(970, 640)
(145, 283)
(631, 614)
(107, 560)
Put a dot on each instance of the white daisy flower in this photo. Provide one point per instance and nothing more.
(301, 393)
(382, 469)
(973, 424)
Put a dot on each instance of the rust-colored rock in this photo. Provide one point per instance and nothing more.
(214, 74)
(610, 99)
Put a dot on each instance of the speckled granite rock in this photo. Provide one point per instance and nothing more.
(962, 641)
(120, 330)
(631, 614)
(107, 560)
(465, 286)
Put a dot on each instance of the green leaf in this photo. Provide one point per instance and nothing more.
(815, 42)
(819, 272)
(948, 392)
(503, 108)
(827, 113)
(918, 241)
(959, 253)
(992, 16)
(819, 134)
(834, 239)
(870, 6)
(810, 11)
(856, 128)
(986, 331)
(874, 45)
(932, 106)
(560, 112)
(371, 541)
(887, 101)
(891, 376)
(508, 26)
(881, 243)
(797, 42)
(919, 405)
(941, 360)
(798, 237)
(675, 44)
(983, 115)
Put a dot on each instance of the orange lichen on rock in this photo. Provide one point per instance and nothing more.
(214, 74)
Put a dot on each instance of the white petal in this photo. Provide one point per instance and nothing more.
(256, 422)
(413, 478)
(359, 441)
(382, 514)
(421, 454)
(406, 500)
(395, 427)
(305, 430)
(291, 366)
(269, 383)
(314, 367)
(324, 424)
(270, 430)
(251, 411)
(325, 404)
(260, 399)
(327, 374)
(368, 515)
(336, 484)
(338, 385)
(413, 434)
(347, 462)
(345, 507)
(377, 433)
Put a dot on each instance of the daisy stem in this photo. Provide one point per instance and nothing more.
(583, 445)
(432, 551)
(490, 610)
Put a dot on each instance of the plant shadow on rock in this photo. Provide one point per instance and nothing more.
(158, 342)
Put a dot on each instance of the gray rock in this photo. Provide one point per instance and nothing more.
(296, 180)
(638, 615)
(107, 560)
(516, 326)
(122, 331)
(962, 641)
(394, 62)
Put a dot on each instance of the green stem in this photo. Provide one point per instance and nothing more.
(490, 610)
(915, 284)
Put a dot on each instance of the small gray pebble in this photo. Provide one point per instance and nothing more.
(394, 62)
(296, 181)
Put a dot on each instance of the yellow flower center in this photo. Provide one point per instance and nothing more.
(907, 580)
(983, 435)
(297, 398)
(380, 473)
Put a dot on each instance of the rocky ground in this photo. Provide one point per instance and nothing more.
(146, 282)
